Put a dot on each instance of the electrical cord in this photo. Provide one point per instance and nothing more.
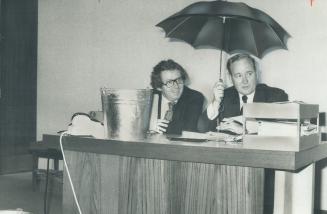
(67, 170)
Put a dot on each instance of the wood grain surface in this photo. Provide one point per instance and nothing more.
(128, 185)
(206, 152)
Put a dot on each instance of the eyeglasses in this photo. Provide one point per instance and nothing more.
(171, 83)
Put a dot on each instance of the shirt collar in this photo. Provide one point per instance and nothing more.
(166, 101)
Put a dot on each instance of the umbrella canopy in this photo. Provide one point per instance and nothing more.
(228, 26)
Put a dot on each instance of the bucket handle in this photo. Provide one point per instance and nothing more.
(155, 91)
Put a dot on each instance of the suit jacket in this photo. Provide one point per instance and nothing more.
(230, 106)
(186, 112)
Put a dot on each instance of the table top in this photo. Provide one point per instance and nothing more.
(211, 152)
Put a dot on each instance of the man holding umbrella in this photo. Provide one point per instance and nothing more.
(228, 102)
(232, 27)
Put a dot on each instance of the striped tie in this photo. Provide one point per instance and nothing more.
(169, 112)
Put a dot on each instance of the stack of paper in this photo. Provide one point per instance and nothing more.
(268, 128)
(283, 128)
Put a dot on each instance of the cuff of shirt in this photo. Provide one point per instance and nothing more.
(212, 112)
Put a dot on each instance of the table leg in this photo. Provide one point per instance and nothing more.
(294, 191)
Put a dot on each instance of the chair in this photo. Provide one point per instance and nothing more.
(39, 150)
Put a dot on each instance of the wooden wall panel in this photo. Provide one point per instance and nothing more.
(95, 181)
(128, 185)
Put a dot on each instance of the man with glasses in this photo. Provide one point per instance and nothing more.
(179, 107)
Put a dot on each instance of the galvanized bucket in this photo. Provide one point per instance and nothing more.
(126, 112)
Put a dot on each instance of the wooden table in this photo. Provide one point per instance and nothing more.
(161, 176)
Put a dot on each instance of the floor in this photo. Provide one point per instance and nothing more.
(16, 191)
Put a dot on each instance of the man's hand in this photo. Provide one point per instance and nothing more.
(214, 106)
(162, 125)
(230, 125)
(218, 92)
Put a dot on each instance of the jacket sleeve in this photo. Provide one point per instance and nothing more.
(193, 113)
(205, 124)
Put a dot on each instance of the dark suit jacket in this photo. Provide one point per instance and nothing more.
(187, 111)
(231, 104)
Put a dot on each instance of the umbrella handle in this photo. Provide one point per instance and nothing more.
(220, 111)
(222, 47)
(221, 107)
(221, 59)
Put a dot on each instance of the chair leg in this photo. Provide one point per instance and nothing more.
(34, 172)
(56, 164)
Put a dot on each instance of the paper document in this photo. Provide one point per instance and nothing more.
(194, 135)
(282, 128)
(201, 137)
(189, 136)
(251, 124)
(218, 136)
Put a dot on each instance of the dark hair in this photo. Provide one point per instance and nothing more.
(238, 57)
(165, 65)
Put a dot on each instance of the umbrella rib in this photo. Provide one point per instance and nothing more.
(282, 42)
(177, 26)
(253, 36)
(272, 32)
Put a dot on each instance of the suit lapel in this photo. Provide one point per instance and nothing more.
(180, 105)
(232, 103)
(178, 114)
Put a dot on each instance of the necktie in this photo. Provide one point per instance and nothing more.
(169, 112)
(245, 100)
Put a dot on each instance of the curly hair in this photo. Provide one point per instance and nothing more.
(238, 57)
(164, 65)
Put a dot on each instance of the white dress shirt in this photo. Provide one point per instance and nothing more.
(212, 112)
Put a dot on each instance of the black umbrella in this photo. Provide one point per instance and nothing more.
(228, 26)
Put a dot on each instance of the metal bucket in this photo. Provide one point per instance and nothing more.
(126, 112)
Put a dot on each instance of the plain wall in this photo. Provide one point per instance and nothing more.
(86, 44)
